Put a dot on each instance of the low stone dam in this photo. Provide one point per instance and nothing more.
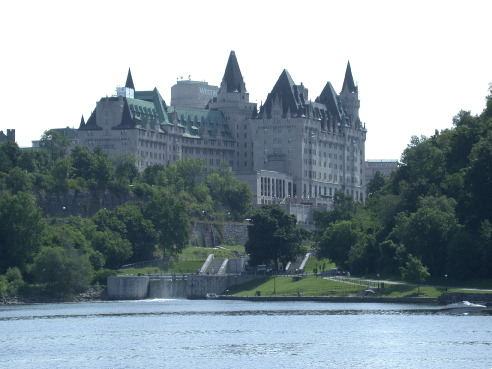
(167, 288)
(191, 286)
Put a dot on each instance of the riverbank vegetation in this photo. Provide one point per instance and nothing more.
(65, 255)
(434, 213)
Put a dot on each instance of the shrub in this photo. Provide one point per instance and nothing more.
(100, 276)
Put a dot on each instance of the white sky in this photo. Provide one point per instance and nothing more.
(417, 63)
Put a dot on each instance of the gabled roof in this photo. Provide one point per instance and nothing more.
(129, 80)
(232, 75)
(329, 98)
(91, 123)
(200, 122)
(289, 96)
(127, 121)
(348, 82)
(155, 97)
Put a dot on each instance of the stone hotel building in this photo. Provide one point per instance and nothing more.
(290, 150)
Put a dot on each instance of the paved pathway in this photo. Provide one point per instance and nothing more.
(350, 279)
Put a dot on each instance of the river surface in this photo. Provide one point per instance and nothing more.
(238, 334)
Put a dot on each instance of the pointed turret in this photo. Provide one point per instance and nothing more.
(129, 80)
(348, 82)
(82, 122)
(328, 97)
(288, 93)
(233, 79)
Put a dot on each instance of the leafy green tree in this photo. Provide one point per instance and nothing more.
(414, 271)
(228, 191)
(21, 225)
(108, 235)
(82, 162)
(427, 232)
(12, 151)
(190, 170)
(274, 237)
(479, 181)
(376, 183)
(102, 168)
(64, 269)
(18, 180)
(126, 170)
(5, 162)
(139, 231)
(56, 144)
(344, 208)
(62, 171)
(150, 173)
(35, 161)
(337, 241)
(171, 223)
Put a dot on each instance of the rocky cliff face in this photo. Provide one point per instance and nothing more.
(86, 204)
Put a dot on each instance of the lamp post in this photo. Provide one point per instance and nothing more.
(316, 270)
(50, 138)
(378, 282)
(446, 276)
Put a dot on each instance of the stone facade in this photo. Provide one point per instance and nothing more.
(207, 234)
(192, 94)
(290, 150)
(383, 166)
(10, 136)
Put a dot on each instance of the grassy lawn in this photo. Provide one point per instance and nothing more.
(191, 259)
(308, 286)
(311, 264)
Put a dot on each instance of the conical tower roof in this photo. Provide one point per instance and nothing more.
(232, 76)
(82, 122)
(348, 82)
(287, 92)
(328, 97)
(129, 80)
(126, 118)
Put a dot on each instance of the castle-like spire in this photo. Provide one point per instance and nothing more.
(82, 122)
(129, 80)
(233, 78)
(126, 118)
(348, 82)
(286, 92)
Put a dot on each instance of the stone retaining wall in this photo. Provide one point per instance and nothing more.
(128, 288)
(207, 234)
(449, 298)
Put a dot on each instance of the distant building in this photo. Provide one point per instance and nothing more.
(384, 166)
(140, 122)
(10, 136)
(71, 133)
(192, 94)
(292, 151)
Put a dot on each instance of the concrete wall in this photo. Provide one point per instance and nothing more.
(200, 285)
(127, 288)
(449, 298)
(167, 288)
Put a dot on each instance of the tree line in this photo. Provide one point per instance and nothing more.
(67, 257)
(436, 208)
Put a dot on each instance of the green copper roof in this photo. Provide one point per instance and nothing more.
(196, 121)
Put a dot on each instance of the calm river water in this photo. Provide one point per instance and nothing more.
(237, 334)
